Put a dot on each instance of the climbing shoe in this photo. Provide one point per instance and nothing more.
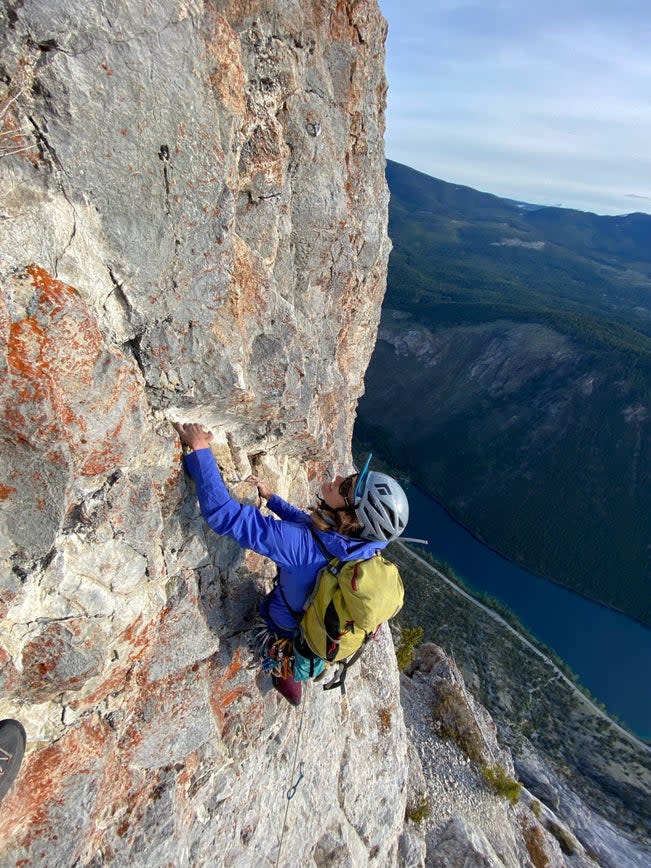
(12, 748)
(290, 689)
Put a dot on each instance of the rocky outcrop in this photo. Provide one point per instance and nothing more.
(585, 779)
(193, 226)
(475, 817)
(456, 715)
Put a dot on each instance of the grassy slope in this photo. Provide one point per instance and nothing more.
(529, 702)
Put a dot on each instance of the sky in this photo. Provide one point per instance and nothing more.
(543, 101)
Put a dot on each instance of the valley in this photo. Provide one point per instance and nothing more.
(512, 378)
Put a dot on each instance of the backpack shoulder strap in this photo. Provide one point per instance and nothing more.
(335, 568)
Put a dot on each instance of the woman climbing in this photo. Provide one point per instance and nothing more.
(357, 515)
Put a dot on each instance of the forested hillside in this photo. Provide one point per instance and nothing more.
(512, 379)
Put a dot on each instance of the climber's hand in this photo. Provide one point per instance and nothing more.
(193, 435)
(263, 490)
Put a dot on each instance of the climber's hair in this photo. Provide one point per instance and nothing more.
(344, 521)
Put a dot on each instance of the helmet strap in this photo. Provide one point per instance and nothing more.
(324, 512)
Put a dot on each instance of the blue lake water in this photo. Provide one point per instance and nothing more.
(610, 652)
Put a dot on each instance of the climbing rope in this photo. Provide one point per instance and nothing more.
(291, 792)
(275, 656)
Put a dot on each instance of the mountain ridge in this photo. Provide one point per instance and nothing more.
(520, 204)
(531, 363)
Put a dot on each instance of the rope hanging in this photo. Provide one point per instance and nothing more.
(291, 792)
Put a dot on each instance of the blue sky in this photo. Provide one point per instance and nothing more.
(538, 100)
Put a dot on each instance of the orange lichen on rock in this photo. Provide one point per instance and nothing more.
(227, 76)
(229, 696)
(139, 639)
(40, 788)
(6, 491)
(248, 300)
(46, 786)
(234, 666)
(222, 692)
(53, 291)
(341, 28)
(191, 764)
(55, 357)
(115, 683)
(234, 700)
(24, 356)
(13, 138)
(39, 347)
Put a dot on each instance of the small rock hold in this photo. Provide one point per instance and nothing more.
(113, 718)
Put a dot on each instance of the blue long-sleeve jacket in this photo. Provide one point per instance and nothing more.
(288, 542)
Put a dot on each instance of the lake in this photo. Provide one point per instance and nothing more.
(610, 652)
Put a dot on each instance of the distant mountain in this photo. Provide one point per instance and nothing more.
(455, 245)
(526, 206)
(512, 379)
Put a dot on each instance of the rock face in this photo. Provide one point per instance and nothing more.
(192, 226)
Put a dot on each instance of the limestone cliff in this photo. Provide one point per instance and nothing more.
(192, 226)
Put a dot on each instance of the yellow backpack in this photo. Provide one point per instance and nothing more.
(351, 599)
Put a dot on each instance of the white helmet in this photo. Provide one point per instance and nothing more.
(381, 506)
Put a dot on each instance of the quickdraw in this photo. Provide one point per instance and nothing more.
(276, 654)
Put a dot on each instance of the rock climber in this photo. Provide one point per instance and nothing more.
(356, 516)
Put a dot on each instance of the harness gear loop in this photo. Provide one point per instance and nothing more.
(274, 652)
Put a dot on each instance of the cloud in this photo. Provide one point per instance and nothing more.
(497, 89)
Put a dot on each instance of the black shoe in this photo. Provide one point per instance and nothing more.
(12, 748)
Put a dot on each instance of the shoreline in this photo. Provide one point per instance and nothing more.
(635, 739)
(476, 536)
(404, 476)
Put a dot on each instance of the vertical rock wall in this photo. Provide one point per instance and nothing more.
(192, 226)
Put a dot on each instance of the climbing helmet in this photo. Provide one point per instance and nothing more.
(381, 505)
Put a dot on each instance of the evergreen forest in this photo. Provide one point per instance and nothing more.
(512, 379)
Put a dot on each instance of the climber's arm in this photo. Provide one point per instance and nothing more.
(276, 504)
(285, 542)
